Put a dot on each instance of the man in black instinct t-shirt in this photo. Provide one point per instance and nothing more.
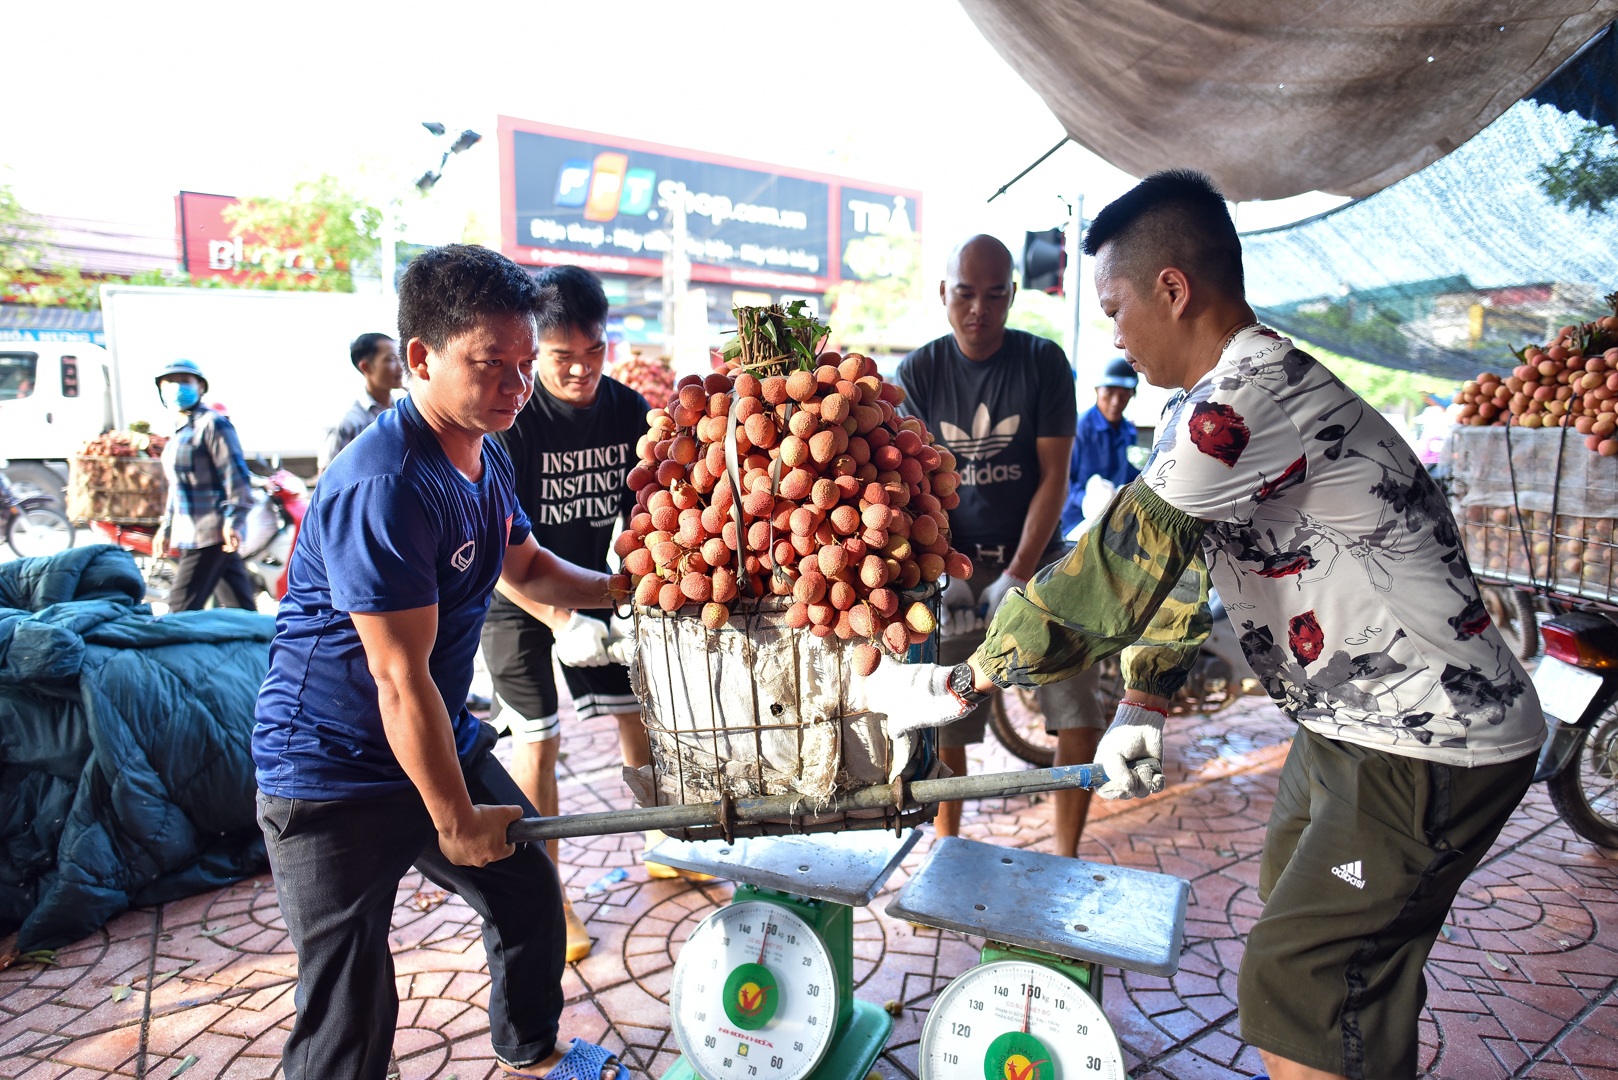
(1002, 401)
(571, 448)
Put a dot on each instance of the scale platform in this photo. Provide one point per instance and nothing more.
(1109, 915)
(842, 868)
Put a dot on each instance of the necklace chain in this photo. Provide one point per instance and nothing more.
(1233, 333)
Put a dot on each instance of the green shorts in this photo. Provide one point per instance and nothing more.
(1364, 854)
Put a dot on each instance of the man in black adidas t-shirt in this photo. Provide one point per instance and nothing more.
(571, 448)
(1002, 401)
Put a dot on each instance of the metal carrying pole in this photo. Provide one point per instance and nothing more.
(877, 797)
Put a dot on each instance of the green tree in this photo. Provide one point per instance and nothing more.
(880, 314)
(314, 239)
(20, 250)
(1040, 314)
(1585, 175)
(1384, 389)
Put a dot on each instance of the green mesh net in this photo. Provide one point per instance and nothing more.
(1498, 244)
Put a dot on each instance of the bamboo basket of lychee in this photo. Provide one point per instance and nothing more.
(790, 530)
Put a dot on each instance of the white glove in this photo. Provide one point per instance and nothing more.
(995, 594)
(620, 640)
(1098, 493)
(582, 642)
(1131, 753)
(960, 609)
(911, 696)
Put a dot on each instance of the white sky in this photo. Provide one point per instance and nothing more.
(114, 107)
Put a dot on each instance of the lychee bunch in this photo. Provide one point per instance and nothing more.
(844, 503)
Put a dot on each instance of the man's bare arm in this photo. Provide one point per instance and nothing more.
(550, 588)
(397, 646)
(1046, 508)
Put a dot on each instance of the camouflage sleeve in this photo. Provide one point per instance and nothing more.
(1097, 600)
(1159, 662)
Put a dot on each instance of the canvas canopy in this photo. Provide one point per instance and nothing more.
(1273, 98)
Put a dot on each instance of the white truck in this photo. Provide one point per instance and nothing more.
(276, 361)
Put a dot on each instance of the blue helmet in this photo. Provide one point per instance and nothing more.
(181, 367)
(1118, 373)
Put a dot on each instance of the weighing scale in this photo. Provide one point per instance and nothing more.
(764, 987)
(1031, 1009)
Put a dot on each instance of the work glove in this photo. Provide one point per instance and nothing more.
(995, 594)
(960, 609)
(582, 642)
(620, 640)
(1131, 753)
(911, 696)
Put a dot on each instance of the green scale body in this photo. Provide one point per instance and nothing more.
(764, 990)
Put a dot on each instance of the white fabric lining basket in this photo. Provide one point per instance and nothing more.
(757, 708)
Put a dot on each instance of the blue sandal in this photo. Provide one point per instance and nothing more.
(583, 1061)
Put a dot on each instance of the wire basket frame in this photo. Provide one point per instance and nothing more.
(757, 709)
(1536, 510)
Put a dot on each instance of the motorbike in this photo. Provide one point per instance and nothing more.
(1577, 683)
(1215, 681)
(280, 502)
(30, 522)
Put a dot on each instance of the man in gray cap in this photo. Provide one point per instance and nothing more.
(1101, 446)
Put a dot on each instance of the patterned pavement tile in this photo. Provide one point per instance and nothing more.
(1523, 982)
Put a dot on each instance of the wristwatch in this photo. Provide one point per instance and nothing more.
(962, 683)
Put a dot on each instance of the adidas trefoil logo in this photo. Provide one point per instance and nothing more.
(985, 440)
(1350, 872)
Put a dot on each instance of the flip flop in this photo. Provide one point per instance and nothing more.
(583, 1061)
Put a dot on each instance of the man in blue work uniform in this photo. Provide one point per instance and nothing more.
(1101, 447)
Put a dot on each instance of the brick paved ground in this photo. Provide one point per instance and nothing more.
(1522, 983)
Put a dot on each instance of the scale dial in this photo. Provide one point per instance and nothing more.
(754, 995)
(1018, 1020)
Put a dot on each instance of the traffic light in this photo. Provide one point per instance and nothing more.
(1044, 261)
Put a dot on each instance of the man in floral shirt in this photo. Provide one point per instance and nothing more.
(1340, 564)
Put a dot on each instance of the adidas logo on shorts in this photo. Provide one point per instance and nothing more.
(1350, 872)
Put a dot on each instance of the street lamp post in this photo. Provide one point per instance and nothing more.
(424, 184)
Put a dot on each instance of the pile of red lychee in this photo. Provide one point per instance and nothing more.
(844, 504)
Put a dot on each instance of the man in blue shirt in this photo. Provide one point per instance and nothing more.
(1101, 447)
(367, 759)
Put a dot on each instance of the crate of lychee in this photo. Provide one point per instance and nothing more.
(1534, 466)
(118, 477)
(790, 531)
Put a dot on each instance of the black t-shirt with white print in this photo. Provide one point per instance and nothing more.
(570, 469)
(990, 414)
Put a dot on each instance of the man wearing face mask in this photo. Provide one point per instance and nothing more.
(209, 495)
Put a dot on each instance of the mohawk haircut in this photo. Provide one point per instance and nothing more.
(1173, 218)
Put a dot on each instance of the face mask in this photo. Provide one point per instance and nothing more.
(185, 395)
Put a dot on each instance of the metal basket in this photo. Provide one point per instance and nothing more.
(757, 709)
(1536, 510)
(120, 490)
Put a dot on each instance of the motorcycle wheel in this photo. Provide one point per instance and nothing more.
(37, 531)
(1512, 612)
(1210, 687)
(1586, 792)
(1019, 723)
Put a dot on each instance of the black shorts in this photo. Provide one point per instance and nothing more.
(517, 649)
(1364, 854)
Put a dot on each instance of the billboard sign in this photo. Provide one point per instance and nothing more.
(609, 204)
(208, 248)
